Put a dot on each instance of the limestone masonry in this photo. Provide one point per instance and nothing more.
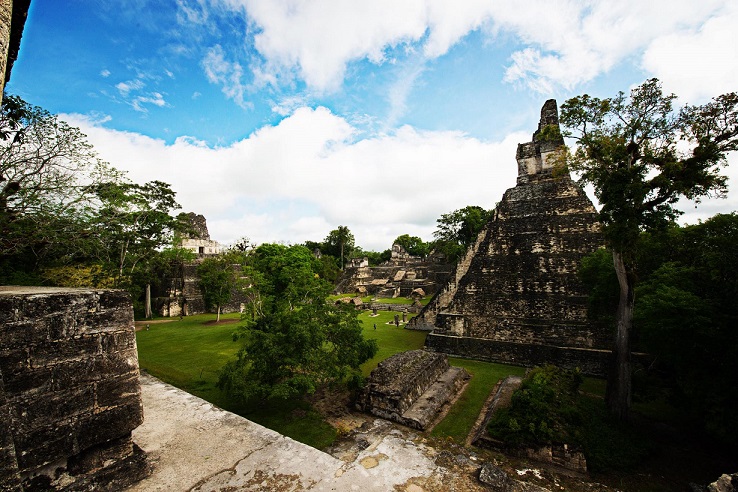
(412, 387)
(69, 390)
(515, 297)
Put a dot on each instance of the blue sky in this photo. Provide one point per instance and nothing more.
(281, 119)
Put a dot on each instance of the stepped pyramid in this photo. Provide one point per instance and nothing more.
(515, 297)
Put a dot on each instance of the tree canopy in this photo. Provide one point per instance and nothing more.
(641, 155)
(294, 340)
(412, 244)
(457, 230)
(66, 216)
(219, 276)
(339, 243)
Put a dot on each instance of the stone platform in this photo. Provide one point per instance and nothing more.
(411, 388)
(195, 446)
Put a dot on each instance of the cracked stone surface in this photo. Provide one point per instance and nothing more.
(195, 446)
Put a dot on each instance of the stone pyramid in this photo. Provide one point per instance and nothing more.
(515, 297)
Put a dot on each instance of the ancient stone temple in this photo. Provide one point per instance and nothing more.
(515, 297)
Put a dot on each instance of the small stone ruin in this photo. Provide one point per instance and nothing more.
(399, 276)
(69, 390)
(411, 388)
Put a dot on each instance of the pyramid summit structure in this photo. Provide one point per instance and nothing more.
(515, 297)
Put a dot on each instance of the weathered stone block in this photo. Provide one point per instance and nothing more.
(411, 387)
(69, 390)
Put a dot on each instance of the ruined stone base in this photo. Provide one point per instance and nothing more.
(111, 466)
(592, 362)
(564, 458)
(411, 388)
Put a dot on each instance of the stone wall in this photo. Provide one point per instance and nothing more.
(399, 380)
(395, 278)
(69, 390)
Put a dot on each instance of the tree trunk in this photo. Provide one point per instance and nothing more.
(619, 381)
(147, 307)
(217, 317)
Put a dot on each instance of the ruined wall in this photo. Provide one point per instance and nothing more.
(399, 380)
(398, 278)
(517, 285)
(69, 389)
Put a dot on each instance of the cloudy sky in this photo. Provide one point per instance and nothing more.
(281, 119)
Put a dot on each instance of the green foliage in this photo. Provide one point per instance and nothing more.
(44, 204)
(294, 341)
(68, 218)
(598, 275)
(542, 411)
(686, 317)
(376, 258)
(627, 149)
(413, 245)
(457, 230)
(548, 409)
(219, 277)
(339, 243)
(190, 353)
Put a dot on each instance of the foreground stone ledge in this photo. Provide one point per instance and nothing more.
(69, 390)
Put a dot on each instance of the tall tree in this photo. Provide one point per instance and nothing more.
(627, 149)
(133, 221)
(340, 243)
(294, 340)
(46, 166)
(219, 277)
(457, 230)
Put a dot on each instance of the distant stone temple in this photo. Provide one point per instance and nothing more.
(515, 296)
(198, 239)
(179, 294)
(400, 276)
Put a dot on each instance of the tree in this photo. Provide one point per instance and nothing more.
(457, 230)
(627, 149)
(294, 340)
(412, 244)
(219, 277)
(133, 221)
(339, 243)
(46, 167)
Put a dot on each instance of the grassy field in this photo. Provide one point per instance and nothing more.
(189, 354)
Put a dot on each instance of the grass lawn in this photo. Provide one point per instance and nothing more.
(464, 413)
(189, 354)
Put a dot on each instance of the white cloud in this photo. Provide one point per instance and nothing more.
(561, 43)
(154, 98)
(700, 62)
(125, 88)
(105, 73)
(303, 177)
(227, 74)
